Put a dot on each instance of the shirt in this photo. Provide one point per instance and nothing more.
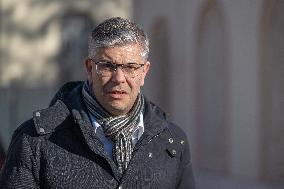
(107, 142)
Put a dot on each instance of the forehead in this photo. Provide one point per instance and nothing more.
(124, 52)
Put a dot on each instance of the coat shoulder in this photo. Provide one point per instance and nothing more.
(177, 131)
(26, 128)
(23, 135)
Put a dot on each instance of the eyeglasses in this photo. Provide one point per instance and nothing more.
(106, 68)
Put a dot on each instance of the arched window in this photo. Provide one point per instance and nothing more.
(158, 84)
(273, 91)
(211, 90)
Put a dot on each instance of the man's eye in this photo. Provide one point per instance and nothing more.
(131, 66)
(108, 65)
(105, 65)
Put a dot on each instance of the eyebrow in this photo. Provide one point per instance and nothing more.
(109, 61)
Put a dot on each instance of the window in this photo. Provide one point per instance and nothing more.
(211, 90)
(158, 84)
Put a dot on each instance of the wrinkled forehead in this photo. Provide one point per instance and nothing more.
(126, 50)
(120, 54)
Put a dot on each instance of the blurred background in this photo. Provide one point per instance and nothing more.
(217, 70)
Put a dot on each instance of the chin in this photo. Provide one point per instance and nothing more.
(118, 109)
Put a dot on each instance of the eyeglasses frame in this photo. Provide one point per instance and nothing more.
(115, 66)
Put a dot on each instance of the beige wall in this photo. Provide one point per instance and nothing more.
(32, 34)
(246, 145)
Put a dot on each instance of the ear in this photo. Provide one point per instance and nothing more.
(146, 68)
(88, 67)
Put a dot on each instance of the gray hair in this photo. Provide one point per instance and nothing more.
(118, 31)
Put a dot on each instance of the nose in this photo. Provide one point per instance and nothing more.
(118, 76)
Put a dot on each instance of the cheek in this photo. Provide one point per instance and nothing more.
(135, 85)
(101, 83)
(140, 81)
(102, 80)
(96, 83)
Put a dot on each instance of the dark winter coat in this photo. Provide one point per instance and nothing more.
(58, 148)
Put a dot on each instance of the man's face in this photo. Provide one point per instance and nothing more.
(117, 92)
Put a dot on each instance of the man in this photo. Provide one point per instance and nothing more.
(102, 133)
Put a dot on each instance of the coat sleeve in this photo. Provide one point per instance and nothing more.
(20, 170)
(185, 176)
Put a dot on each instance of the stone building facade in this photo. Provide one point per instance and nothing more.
(218, 70)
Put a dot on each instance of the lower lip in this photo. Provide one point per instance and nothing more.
(117, 96)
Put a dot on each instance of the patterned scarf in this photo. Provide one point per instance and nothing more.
(118, 128)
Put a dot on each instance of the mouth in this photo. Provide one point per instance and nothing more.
(117, 94)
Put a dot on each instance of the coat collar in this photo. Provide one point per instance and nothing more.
(47, 120)
(68, 101)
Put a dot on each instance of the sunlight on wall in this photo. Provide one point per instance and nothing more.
(31, 36)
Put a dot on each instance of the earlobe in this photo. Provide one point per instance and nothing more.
(88, 68)
(146, 67)
(145, 71)
(88, 65)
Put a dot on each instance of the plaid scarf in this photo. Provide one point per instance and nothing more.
(118, 128)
